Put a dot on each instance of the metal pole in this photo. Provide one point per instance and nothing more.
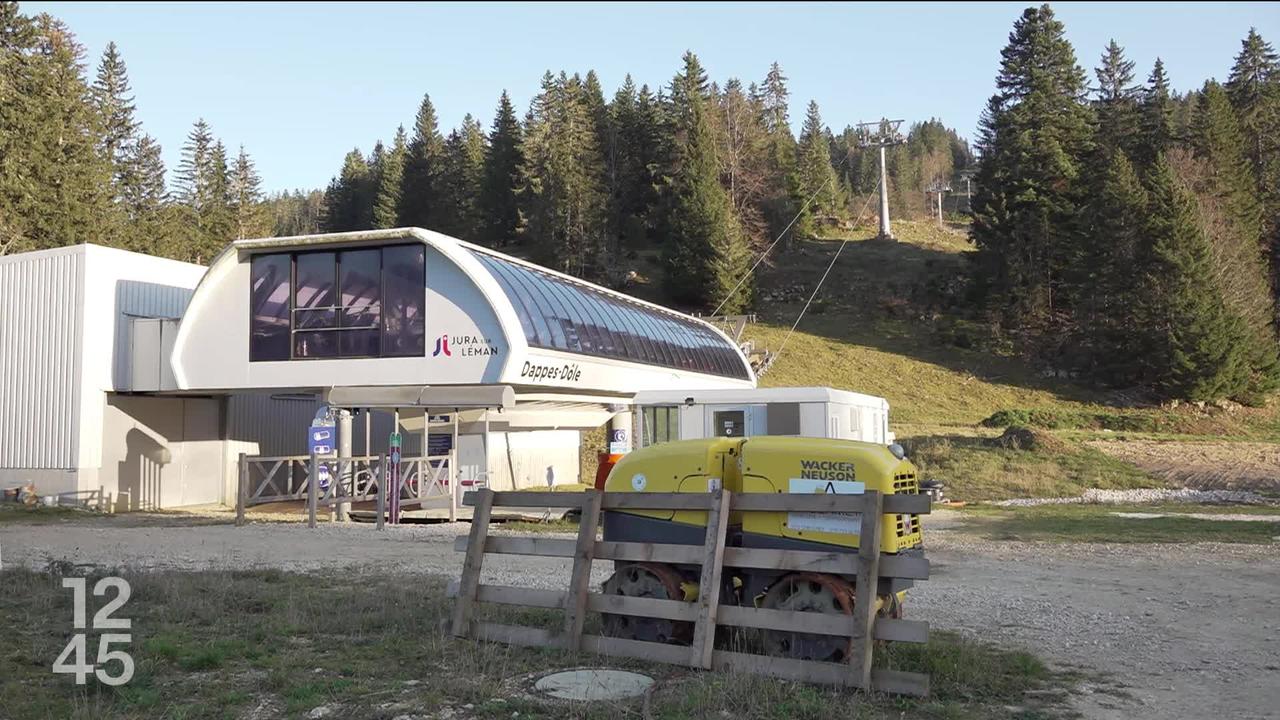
(885, 232)
(394, 498)
(453, 471)
(346, 471)
(313, 485)
(382, 490)
(368, 448)
(486, 447)
(242, 489)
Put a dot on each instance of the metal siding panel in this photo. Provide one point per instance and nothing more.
(39, 326)
(278, 426)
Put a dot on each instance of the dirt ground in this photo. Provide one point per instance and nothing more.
(1203, 465)
(1187, 630)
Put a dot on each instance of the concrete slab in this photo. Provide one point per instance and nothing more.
(594, 684)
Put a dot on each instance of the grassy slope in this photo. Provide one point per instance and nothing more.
(888, 322)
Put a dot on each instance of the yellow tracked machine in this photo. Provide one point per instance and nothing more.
(758, 465)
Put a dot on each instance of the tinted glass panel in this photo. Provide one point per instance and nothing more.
(403, 296)
(360, 317)
(560, 314)
(269, 301)
(314, 297)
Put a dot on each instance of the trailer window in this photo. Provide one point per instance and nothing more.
(660, 423)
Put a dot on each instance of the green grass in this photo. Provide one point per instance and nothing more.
(1098, 523)
(39, 515)
(973, 471)
(219, 644)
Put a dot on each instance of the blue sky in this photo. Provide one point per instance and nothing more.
(300, 84)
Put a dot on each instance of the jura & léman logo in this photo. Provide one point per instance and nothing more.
(466, 345)
(442, 347)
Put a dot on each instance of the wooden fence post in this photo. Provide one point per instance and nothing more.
(575, 611)
(313, 485)
(864, 600)
(382, 491)
(469, 583)
(704, 632)
(242, 488)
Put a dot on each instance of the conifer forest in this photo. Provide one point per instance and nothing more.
(1121, 231)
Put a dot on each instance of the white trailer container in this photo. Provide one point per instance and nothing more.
(664, 415)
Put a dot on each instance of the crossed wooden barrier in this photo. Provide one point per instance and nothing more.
(867, 564)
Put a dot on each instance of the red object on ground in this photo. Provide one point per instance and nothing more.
(607, 461)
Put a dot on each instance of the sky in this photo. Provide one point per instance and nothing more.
(301, 84)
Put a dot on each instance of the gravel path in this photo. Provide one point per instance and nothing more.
(1191, 630)
(1204, 465)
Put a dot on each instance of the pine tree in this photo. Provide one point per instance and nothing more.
(390, 179)
(498, 205)
(1196, 347)
(424, 164)
(1157, 116)
(345, 199)
(464, 153)
(815, 177)
(1216, 138)
(1117, 105)
(707, 254)
(1037, 137)
(246, 198)
(193, 168)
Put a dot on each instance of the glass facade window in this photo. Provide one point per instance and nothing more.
(269, 304)
(559, 314)
(348, 303)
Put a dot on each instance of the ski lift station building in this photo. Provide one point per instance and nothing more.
(139, 381)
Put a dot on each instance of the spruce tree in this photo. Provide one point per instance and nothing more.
(498, 205)
(390, 179)
(1117, 105)
(345, 207)
(1112, 336)
(1157, 116)
(815, 177)
(780, 205)
(144, 198)
(423, 166)
(1197, 344)
(459, 209)
(706, 255)
(1037, 137)
(115, 109)
(562, 175)
(246, 198)
(1254, 92)
(54, 182)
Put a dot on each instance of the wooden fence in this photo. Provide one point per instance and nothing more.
(867, 564)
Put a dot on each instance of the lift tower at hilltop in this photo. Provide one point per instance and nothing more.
(885, 135)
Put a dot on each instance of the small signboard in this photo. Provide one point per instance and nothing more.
(619, 442)
(322, 440)
(393, 478)
(841, 523)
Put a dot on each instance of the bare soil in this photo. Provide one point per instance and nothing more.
(1203, 465)
(1188, 630)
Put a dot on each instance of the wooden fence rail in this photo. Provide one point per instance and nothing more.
(867, 564)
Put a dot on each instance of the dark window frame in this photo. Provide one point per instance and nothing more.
(338, 308)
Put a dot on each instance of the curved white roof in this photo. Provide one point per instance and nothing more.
(492, 318)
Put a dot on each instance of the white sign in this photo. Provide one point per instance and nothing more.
(842, 523)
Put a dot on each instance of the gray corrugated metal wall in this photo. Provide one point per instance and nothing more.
(279, 426)
(40, 321)
(142, 299)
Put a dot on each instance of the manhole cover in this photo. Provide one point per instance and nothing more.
(594, 684)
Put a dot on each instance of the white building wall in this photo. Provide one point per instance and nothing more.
(41, 294)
